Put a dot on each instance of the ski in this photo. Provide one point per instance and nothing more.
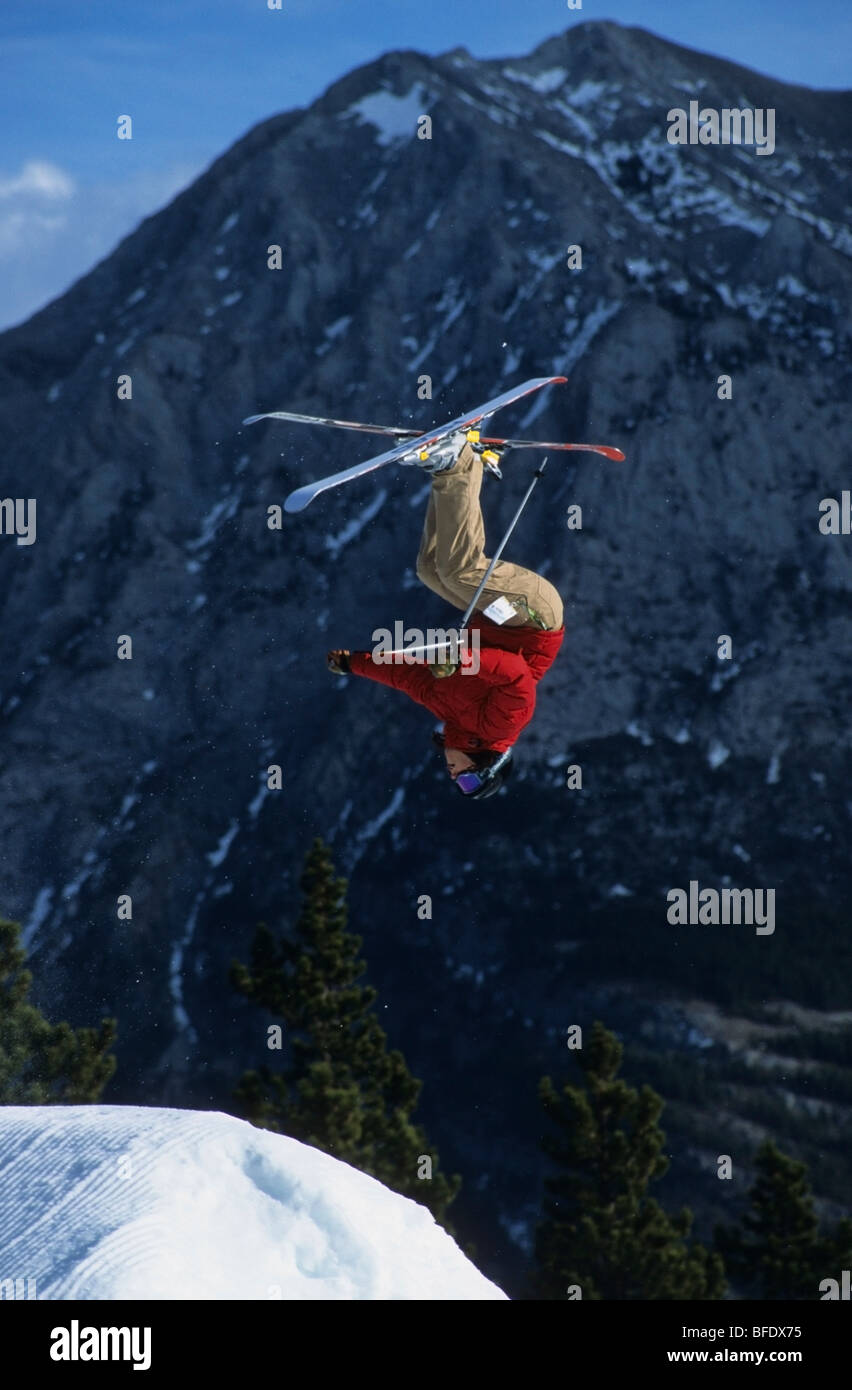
(336, 424)
(608, 450)
(403, 432)
(302, 496)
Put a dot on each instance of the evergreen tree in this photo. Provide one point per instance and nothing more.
(342, 1091)
(601, 1231)
(45, 1063)
(778, 1252)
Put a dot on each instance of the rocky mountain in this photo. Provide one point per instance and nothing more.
(449, 256)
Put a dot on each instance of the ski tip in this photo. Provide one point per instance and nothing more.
(617, 455)
(298, 500)
(252, 419)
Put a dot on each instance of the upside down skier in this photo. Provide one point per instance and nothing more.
(482, 713)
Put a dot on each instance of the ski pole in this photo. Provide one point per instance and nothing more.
(485, 578)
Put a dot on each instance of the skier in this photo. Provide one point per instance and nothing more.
(518, 621)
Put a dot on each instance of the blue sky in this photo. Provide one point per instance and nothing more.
(196, 74)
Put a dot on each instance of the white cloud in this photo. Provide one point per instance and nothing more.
(33, 208)
(53, 230)
(38, 179)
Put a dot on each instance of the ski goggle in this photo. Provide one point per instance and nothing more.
(473, 781)
(470, 782)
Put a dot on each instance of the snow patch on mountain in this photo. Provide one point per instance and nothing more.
(223, 511)
(218, 855)
(717, 754)
(39, 914)
(353, 528)
(548, 81)
(578, 336)
(369, 831)
(394, 117)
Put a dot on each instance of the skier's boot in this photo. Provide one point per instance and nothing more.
(446, 452)
(490, 456)
(442, 456)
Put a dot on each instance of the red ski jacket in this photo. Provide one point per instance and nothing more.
(487, 710)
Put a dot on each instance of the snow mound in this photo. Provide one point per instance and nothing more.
(109, 1202)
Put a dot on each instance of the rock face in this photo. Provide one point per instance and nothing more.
(447, 256)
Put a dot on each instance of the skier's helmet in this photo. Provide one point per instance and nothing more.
(490, 770)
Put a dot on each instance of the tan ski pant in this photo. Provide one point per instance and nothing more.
(451, 561)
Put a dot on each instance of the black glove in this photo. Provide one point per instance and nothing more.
(338, 662)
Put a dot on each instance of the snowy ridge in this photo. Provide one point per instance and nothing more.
(658, 183)
(109, 1202)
